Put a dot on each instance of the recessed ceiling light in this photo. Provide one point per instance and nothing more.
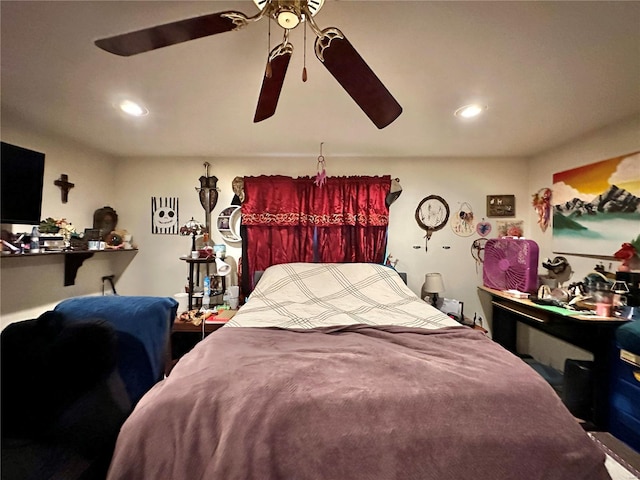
(132, 108)
(469, 111)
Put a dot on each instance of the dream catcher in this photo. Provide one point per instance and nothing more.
(542, 203)
(321, 176)
(432, 215)
(462, 223)
(477, 251)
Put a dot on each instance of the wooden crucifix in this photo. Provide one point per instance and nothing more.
(65, 185)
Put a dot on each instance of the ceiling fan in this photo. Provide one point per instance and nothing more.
(331, 47)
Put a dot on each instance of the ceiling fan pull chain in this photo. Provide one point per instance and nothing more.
(304, 55)
(268, 71)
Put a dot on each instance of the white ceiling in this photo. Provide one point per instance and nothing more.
(548, 71)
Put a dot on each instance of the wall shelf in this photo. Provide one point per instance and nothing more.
(73, 260)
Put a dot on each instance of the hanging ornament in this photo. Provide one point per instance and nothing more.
(321, 176)
(462, 223)
(483, 228)
(542, 203)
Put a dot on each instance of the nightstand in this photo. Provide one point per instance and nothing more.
(185, 336)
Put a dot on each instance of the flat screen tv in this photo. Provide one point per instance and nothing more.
(21, 177)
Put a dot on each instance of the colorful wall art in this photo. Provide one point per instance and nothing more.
(596, 207)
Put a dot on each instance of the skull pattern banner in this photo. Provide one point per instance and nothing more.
(164, 215)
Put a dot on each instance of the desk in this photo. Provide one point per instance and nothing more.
(594, 334)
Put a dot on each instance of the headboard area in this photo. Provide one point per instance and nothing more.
(303, 295)
(258, 274)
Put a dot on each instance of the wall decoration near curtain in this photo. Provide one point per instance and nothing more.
(597, 206)
(164, 215)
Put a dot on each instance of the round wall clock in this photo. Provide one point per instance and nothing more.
(432, 215)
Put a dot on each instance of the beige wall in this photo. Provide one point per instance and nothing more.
(30, 286)
(157, 269)
(128, 185)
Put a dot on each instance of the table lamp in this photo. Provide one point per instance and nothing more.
(193, 228)
(431, 287)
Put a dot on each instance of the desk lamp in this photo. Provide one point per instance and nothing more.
(432, 286)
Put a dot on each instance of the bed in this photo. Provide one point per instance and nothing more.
(339, 371)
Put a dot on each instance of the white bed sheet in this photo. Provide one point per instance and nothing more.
(311, 295)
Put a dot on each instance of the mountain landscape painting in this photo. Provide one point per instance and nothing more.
(596, 207)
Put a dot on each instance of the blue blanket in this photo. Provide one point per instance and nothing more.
(143, 326)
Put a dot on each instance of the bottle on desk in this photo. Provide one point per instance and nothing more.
(35, 241)
(206, 295)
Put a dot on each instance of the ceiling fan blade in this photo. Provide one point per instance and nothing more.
(172, 33)
(351, 71)
(272, 85)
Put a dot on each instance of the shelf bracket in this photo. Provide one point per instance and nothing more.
(72, 262)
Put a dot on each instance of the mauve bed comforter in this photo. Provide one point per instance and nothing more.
(353, 402)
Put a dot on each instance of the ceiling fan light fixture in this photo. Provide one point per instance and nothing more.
(270, 6)
(470, 111)
(287, 18)
(132, 108)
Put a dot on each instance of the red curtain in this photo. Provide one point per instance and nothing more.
(354, 219)
(292, 220)
(272, 227)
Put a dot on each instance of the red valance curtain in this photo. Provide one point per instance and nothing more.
(292, 220)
